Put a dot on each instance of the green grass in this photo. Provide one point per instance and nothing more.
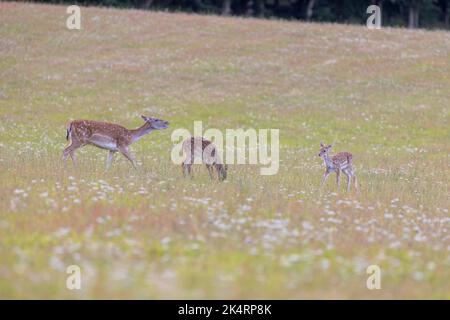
(382, 95)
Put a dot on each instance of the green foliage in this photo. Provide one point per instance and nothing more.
(430, 13)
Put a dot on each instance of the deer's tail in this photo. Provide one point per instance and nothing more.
(68, 131)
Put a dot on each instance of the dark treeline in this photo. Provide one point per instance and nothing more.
(409, 13)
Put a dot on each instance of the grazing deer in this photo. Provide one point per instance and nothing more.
(341, 161)
(109, 136)
(199, 147)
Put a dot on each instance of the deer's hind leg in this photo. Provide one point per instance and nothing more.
(70, 151)
(355, 180)
(348, 173)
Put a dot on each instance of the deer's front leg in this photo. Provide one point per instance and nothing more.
(338, 177)
(128, 155)
(325, 176)
(210, 171)
(109, 159)
(187, 165)
(187, 169)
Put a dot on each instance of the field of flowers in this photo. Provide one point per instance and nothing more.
(383, 95)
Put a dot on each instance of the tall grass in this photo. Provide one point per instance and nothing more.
(382, 95)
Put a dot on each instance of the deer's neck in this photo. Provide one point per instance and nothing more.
(138, 133)
(327, 160)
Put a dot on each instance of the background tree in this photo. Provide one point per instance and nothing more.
(407, 13)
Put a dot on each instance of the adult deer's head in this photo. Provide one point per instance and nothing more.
(222, 170)
(155, 123)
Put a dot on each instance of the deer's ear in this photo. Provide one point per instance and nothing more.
(329, 146)
(144, 117)
(321, 144)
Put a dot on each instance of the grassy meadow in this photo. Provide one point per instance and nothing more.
(383, 95)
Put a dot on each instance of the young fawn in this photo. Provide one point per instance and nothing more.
(108, 136)
(341, 161)
(199, 147)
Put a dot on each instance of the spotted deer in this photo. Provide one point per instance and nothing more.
(341, 161)
(199, 147)
(108, 136)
